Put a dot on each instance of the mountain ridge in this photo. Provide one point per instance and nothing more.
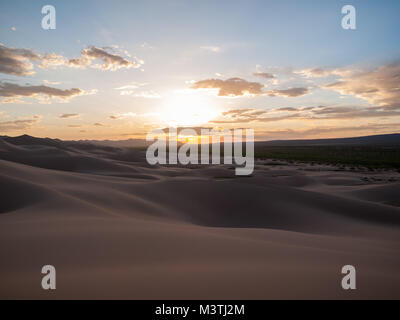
(381, 139)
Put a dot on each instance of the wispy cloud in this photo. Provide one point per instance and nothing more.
(51, 82)
(326, 131)
(248, 115)
(150, 94)
(129, 88)
(380, 86)
(69, 115)
(214, 49)
(324, 72)
(145, 45)
(19, 124)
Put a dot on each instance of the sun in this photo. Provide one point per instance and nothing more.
(188, 109)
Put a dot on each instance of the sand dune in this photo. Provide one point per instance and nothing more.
(114, 227)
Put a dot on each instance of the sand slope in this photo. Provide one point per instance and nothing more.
(116, 228)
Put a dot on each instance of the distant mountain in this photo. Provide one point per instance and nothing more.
(128, 143)
(26, 140)
(78, 156)
(381, 140)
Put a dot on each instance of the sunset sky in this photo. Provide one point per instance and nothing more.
(117, 69)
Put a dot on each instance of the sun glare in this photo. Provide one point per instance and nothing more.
(188, 110)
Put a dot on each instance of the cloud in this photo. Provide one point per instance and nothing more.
(128, 89)
(123, 115)
(265, 75)
(131, 86)
(237, 112)
(380, 86)
(21, 124)
(110, 61)
(145, 45)
(52, 60)
(322, 73)
(42, 92)
(74, 126)
(148, 95)
(51, 82)
(327, 131)
(249, 115)
(13, 29)
(17, 61)
(235, 87)
(366, 127)
(305, 113)
(353, 112)
(292, 92)
(98, 124)
(230, 87)
(69, 115)
(289, 109)
(13, 100)
(214, 49)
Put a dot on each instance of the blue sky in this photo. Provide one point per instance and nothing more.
(183, 42)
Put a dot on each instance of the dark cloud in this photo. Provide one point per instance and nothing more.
(15, 90)
(69, 115)
(17, 61)
(289, 109)
(292, 92)
(265, 75)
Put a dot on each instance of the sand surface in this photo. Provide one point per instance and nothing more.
(114, 227)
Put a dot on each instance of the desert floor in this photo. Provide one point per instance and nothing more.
(122, 229)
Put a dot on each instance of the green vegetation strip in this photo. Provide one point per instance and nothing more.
(367, 156)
